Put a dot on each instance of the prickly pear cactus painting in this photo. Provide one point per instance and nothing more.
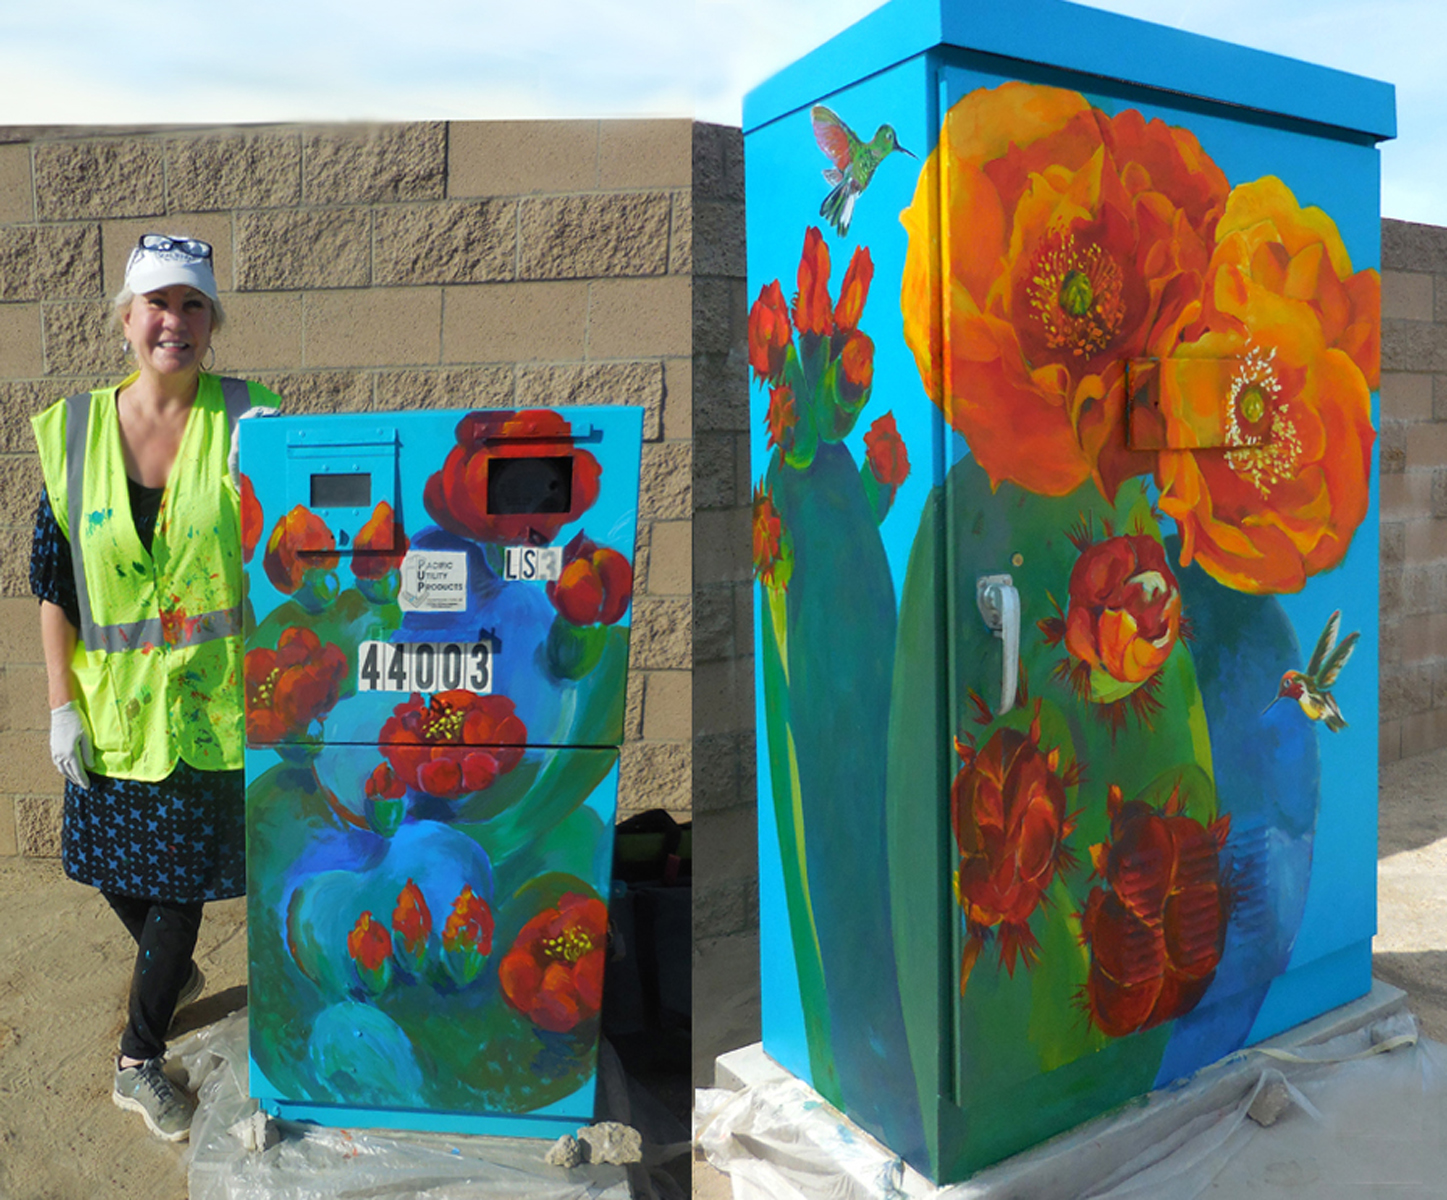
(1066, 347)
(431, 786)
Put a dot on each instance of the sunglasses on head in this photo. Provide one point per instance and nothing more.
(159, 242)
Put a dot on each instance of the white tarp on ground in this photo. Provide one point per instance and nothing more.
(1363, 1114)
(235, 1154)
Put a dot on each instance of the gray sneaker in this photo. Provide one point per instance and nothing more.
(195, 985)
(146, 1089)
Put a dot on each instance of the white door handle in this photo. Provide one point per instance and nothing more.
(999, 604)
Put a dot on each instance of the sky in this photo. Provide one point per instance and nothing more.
(145, 62)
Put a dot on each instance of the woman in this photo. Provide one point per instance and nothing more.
(137, 565)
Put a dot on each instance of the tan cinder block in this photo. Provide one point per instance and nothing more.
(243, 169)
(367, 164)
(321, 391)
(1425, 539)
(1406, 496)
(17, 199)
(262, 332)
(1407, 395)
(640, 318)
(584, 237)
(116, 177)
(15, 562)
(680, 235)
(37, 825)
(78, 340)
(666, 491)
(50, 262)
(20, 341)
(514, 158)
(474, 242)
(678, 399)
(668, 706)
(515, 322)
(640, 383)
(718, 238)
(723, 695)
(20, 631)
(305, 248)
(654, 775)
(18, 403)
(9, 846)
(380, 326)
(1389, 741)
(119, 238)
(723, 545)
(641, 558)
(24, 701)
(645, 153)
(670, 567)
(633, 706)
(1424, 731)
(661, 638)
(20, 484)
(446, 387)
(1407, 295)
(25, 766)
(1426, 445)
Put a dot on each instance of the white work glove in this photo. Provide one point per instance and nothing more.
(70, 744)
(233, 459)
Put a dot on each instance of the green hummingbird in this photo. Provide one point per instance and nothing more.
(1312, 688)
(854, 163)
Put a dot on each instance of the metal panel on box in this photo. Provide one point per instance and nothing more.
(437, 627)
(1065, 534)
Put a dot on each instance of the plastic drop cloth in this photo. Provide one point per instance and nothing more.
(1365, 1115)
(309, 1162)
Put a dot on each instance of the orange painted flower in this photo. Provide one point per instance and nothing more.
(1074, 242)
(813, 310)
(769, 332)
(482, 483)
(1283, 500)
(782, 418)
(554, 972)
(773, 548)
(885, 452)
(253, 524)
(412, 919)
(470, 924)
(301, 542)
(856, 369)
(380, 545)
(595, 585)
(290, 687)
(854, 291)
(455, 743)
(369, 944)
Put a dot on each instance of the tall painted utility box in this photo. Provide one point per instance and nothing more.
(436, 654)
(1064, 352)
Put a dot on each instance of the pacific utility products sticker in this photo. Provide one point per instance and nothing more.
(434, 581)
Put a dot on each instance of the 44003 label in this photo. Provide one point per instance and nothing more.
(424, 666)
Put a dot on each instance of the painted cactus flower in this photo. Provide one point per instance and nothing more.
(300, 546)
(456, 742)
(292, 686)
(1008, 812)
(595, 585)
(1283, 501)
(554, 972)
(411, 919)
(854, 291)
(253, 524)
(369, 946)
(1075, 242)
(380, 544)
(782, 418)
(385, 801)
(770, 334)
(813, 310)
(773, 547)
(1156, 931)
(885, 455)
(467, 937)
(457, 497)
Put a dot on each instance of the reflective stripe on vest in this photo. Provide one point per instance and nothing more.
(224, 622)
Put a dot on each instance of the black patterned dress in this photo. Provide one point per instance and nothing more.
(181, 839)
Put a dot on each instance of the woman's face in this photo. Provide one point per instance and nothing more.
(169, 328)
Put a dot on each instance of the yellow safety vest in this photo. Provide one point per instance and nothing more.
(159, 660)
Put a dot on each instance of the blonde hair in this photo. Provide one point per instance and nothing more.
(125, 296)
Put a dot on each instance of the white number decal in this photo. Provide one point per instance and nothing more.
(424, 666)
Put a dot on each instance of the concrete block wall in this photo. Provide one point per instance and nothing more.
(461, 264)
(1413, 449)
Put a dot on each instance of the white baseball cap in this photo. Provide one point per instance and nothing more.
(161, 260)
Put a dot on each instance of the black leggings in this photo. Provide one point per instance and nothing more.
(165, 935)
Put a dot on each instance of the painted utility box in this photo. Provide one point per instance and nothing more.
(437, 647)
(1064, 345)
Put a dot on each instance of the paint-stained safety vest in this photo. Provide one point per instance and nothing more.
(158, 660)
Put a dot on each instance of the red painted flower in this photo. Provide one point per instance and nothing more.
(813, 310)
(457, 742)
(290, 687)
(383, 784)
(301, 542)
(252, 522)
(369, 943)
(782, 418)
(457, 497)
(469, 927)
(411, 919)
(855, 290)
(885, 452)
(769, 332)
(554, 971)
(380, 544)
(1157, 930)
(595, 586)
(773, 548)
(856, 369)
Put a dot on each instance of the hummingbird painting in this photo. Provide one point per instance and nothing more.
(1312, 688)
(854, 162)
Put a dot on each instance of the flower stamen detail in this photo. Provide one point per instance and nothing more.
(1264, 456)
(1075, 290)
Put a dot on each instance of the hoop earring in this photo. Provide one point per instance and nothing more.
(211, 350)
(125, 348)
